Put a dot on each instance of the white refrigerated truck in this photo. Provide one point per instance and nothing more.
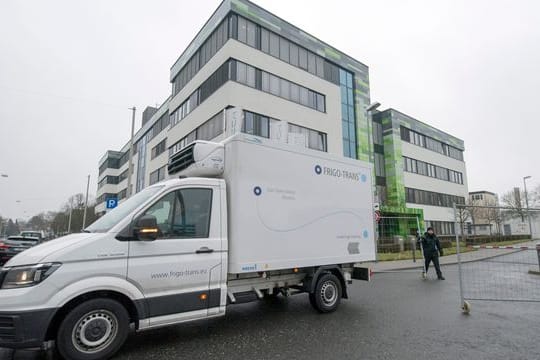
(239, 220)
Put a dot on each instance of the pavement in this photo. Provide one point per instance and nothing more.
(480, 254)
(395, 316)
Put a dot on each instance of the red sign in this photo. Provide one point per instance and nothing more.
(377, 216)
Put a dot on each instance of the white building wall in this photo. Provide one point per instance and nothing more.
(422, 182)
(254, 100)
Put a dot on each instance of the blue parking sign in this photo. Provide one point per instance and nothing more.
(111, 203)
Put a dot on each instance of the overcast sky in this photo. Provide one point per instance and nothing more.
(69, 71)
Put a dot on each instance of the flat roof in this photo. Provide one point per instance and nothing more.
(482, 192)
(435, 132)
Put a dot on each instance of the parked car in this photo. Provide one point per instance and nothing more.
(31, 233)
(16, 244)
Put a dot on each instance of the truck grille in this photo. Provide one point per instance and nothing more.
(7, 327)
(181, 160)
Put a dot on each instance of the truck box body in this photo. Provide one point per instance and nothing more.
(294, 207)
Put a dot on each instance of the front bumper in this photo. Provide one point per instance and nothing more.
(24, 329)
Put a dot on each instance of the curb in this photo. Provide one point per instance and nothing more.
(411, 267)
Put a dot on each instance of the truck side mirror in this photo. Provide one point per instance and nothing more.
(146, 228)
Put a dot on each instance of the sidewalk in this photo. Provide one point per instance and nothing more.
(480, 254)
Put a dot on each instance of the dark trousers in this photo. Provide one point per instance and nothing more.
(435, 258)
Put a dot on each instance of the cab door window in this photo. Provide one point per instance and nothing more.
(192, 213)
(183, 213)
(163, 211)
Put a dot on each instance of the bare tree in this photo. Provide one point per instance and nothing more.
(515, 201)
(475, 213)
(75, 202)
(493, 216)
(463, 215)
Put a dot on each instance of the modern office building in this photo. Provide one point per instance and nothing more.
(419, 171)
(284, 78)
(246, 57)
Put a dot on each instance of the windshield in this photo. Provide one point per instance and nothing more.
(116, 215)
(30, 233)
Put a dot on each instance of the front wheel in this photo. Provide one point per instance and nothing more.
(327, 294)
(95, 329)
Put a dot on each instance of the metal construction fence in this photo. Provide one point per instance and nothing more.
(497, 253)
(399, 235)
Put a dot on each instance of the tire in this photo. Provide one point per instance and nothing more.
(327, 294)
(106, 318)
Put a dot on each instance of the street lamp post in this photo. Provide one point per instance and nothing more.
(527, 204)
(369, 111)
(130, 166)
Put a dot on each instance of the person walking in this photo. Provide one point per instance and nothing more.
(432, 248)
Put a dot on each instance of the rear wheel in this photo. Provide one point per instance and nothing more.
(93, 330)
(327, 294)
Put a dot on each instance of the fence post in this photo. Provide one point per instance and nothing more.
(416, 239)
(458, 253)
(413, 247)
(538, 254)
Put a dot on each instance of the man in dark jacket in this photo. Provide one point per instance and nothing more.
(432, 248)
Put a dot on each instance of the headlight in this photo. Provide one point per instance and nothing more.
(24, 276)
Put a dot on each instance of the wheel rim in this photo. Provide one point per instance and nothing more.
(95, 331)
(329, 293)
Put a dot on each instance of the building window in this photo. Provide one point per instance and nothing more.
(313, 139)
(441, 227)
(275, 85)
(256, 124)
(158, 175)
(207, 131)
(348, 118)
(275, 45)
(427, 142)
(158, 126)
(434, 171)
(108, 180)
(206, 51)
(159, 149)
(377, 134)
(416, 196)
(122, 194)
(211, 128)
(207, 88)
(379, 165)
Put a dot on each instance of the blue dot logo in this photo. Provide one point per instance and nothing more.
(365, 234)
(363, 178)
(318, 170)
(257, 190)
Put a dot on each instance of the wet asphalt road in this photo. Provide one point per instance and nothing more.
(396, 316)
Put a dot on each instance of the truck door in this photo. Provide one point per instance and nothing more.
(179, 273)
